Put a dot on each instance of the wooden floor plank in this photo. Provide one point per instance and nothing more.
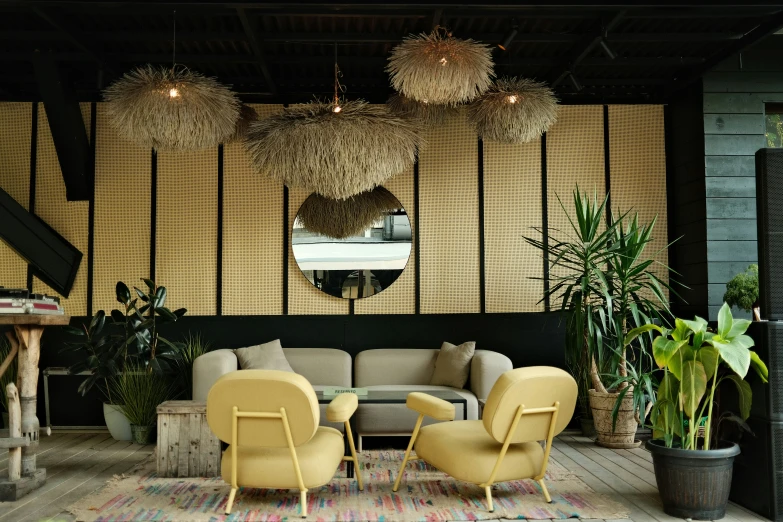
(49, 443)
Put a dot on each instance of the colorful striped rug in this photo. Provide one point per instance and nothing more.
(426, 495)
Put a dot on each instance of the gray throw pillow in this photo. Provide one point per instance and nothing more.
(453, 365)
(267, 356)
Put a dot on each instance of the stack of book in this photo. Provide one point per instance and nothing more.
(22, 301)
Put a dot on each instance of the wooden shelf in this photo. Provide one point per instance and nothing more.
(34, 319)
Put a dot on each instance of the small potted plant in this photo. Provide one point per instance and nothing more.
(692, 468)
(743, 291)
(139, 393)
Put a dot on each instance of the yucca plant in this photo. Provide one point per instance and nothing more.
(139, 393)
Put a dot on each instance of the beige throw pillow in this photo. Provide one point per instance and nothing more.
(453, 365)
(267, 356)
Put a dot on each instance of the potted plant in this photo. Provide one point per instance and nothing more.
(181, 359)
(602, 281)
(108, 345)
(139, 392)
(743, 291)
(692, 467)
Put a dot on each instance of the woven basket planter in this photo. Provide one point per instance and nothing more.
(624, 433)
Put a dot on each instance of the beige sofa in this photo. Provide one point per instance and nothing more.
(411, 370)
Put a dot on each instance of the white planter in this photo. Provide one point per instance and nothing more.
(119, 425)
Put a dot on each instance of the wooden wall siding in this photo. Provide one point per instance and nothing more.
(575, 155)
(734, 128)
(448, 195)
(16, 123)
(512, 207)
(252, 234)
(122, 213)
(69, 218)
(303, 297)
(400, 297)
(637, 166)
(186, 232)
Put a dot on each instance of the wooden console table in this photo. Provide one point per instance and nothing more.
(26, 345)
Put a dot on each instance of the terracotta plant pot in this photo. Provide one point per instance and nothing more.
(624, 433)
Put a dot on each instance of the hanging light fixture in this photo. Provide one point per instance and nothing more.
(425, 113)
(247, 115)
(346, 218)
(514, 110)
(336, 149)
(172, 108)
(510, 35)
(439, 69)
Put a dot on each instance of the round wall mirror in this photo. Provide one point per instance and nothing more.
(354, 248)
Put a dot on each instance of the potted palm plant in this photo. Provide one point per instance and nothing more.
(605, 285)
(692, 467)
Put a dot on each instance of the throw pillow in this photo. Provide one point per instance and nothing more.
(267, 356)
(453, 365)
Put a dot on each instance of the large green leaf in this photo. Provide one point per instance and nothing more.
(693, 385)
(697, 325)
(684, 354)
(745, 395)
(122, 292)
(709, 357)
(739, 327)
(725, 321)
(735, 355)
(759, 366)
(664, 349)
(636, 332)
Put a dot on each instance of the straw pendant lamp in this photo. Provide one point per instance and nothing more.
(172, 108)
(514, 110)
(336, 149)
(427, 114)
(439, 69)
(349, 217)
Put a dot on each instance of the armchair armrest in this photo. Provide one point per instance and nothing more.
(210, 367)
(342, 407)
(485, 368)
(430, 406)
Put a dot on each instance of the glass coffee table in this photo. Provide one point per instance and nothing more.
(391, 397)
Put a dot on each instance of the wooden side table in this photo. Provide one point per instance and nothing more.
(186, 445)
(26, 345)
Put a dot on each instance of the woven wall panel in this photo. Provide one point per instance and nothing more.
(303, 297)
(252, 234)
(512, 205)
(122, 213)
(448, 226)
(16, 123)
(68, 218)
(186, 247)
(637, 157)
(400, 297)
(575, 154)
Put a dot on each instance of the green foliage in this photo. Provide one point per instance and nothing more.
(743, 289)
(182, 358)
(139, 393)
(127, 337)
(774, 130)
(695, 361)
(10, 373)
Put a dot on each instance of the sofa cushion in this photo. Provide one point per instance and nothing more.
(267, 356)
(394, 366)
(452, 366)
(321, 366)
(397, 418)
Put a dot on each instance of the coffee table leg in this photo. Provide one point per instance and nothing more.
(465, 410)
(349, 463)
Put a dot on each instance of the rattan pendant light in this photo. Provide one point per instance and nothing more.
(336, 149)
(427, 114)
(514, 110)
(439, 69)
(346, 218)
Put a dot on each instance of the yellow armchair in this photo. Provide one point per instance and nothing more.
(525, 406)
(270, 420)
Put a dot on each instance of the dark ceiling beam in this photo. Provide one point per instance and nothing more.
(434, 22)
(768, 26)
(582, 49)
(68, 34)
(671, 37)
(250, 32)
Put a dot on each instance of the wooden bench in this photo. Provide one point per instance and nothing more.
(186, 445)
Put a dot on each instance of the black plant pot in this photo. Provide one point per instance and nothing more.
(693, 484)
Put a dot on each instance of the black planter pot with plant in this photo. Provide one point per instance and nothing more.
(693, 468)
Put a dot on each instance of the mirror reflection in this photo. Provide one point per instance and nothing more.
(354, 248)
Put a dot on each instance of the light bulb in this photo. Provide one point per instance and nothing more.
(173, 93)
(425, 102)
(337, 108)
(512, 98)
(443, 61)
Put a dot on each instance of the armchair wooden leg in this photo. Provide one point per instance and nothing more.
(303, 502)
(488, 491)
(545, 491)
(408, 453)
(357, 470)
(230, 502)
